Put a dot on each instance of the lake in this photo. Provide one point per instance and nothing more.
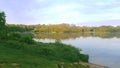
(103, 49)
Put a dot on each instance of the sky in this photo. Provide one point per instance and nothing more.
(79, 12)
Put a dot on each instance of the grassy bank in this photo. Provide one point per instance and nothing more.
(27, 53)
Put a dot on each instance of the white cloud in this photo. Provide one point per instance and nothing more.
(67, 17)
(102, 3)
(58, 14)
(106, 2)
(101, 17)
(61, 8)
(41, 0)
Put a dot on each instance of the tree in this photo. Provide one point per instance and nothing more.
(2, 20)
(2, 26)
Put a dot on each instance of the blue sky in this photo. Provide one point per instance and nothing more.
(82, 12)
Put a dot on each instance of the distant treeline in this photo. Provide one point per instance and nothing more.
(62, 28)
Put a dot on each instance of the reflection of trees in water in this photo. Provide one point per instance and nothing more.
(75, 35)
(57, 35)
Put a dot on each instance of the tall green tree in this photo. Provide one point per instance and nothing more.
(3, 33)
(2, 20)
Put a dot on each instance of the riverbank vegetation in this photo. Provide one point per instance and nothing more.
(21, 50)
(38, 54)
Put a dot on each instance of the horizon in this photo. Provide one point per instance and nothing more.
(64, 23)
(78, 12)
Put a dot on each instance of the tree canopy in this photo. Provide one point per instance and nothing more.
(2, 20)
(2, 26)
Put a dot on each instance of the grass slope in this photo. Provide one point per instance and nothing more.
(26, 53)
(25, 59)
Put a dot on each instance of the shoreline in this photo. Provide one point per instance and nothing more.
(80, 65)
(92, 65)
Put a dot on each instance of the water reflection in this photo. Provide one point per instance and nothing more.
(64, 36)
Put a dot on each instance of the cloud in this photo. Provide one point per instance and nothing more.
(59, 11)
(58, 14)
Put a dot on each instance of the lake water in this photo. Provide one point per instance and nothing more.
(103, 51)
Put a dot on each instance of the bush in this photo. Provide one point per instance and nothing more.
(3, 34)
(84, 57)
(27, 39)
(14, 35)
(67, 52)
(59, 51)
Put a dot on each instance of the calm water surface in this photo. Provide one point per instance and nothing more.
(102, 51)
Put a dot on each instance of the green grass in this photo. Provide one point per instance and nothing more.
(25, 59)
(31, 54)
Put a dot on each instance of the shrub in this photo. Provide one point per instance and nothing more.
(14, 35)
(59, 51)
(84, 57)
(27, 39)
(3, 34)
(67, 52)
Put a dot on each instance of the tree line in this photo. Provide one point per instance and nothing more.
(62, 28)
